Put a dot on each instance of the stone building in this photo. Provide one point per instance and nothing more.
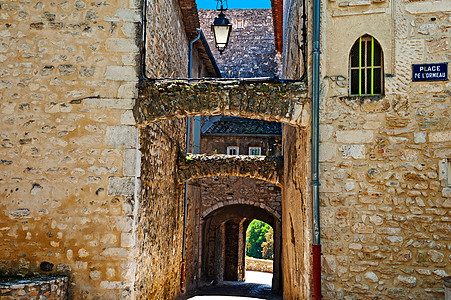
(91, 155)
(72, 189)
(251, 51)
(385, 198)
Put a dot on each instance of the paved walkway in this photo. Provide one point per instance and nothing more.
(256, 286)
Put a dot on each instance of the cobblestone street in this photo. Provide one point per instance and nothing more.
(256, 286)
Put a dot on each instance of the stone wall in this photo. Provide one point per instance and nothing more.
(295, 47)
(167, 42)
(259, 265)
(219, 191)
(37, 287)
(385, 206)
(68, 75)
(69, 159)
(251, 50)
(161, 211)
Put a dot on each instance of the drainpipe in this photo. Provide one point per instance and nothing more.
(316, 247)
(142, 58)
(185, 204)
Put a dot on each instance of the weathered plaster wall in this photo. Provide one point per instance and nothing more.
(251, 51)
(384, 203)
(296, 214)
(68, 73)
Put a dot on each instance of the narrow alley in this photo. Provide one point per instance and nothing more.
(256, 286)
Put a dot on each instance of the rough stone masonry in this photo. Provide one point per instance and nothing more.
(69, 155)
(69, 159)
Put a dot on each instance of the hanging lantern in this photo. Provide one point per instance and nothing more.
(221, 29)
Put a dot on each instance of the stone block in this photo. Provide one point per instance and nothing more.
(129, 59)
(327, 152)
(353, 151)
(325, 132)
(446, 192)
(128, 91)
(134, 4)
(115, 252)
(440, 137)
(362, 228)
(121, 73)
(121, 186)
(109, 103)
(124, 224)
(419, 137)
(129, 15)
(129, 163)
(122, 136)
(422, 7)
(355, 136)
(409, 281)
(127, 118)
(121, 45)
(360, 3)
(371, 276)
(129, 29)
(127, 240)
(20, 213)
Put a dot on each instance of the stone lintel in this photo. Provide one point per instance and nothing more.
(193, 166)
(267, 100)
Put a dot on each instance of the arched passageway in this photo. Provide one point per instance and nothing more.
(224, 240)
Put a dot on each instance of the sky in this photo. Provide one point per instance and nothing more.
(211, 4)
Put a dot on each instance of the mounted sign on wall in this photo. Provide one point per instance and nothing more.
(430, 72)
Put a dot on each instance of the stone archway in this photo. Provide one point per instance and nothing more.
(224, 239)
(284, 102)
(196, 166)
(281, 101)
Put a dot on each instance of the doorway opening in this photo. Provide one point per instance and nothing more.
(259, 253)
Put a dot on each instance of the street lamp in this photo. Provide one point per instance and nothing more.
(221, 29)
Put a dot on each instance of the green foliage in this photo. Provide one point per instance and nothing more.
(257, 243)
(268, 245)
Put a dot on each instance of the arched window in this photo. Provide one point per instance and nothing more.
(366, 68)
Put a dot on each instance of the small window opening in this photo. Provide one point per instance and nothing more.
(233, 150)
(239, 23)
(255, 151)
(366, 71)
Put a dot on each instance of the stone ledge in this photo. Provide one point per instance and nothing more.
(260, 265)
(193, 166)
(258, 99)
(36, 287)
